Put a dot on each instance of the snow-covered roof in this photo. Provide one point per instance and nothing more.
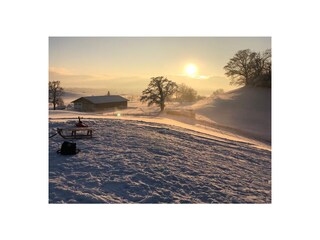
(104, 99)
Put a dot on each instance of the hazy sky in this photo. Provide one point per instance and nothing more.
(126, 64)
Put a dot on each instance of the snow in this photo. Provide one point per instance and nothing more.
(247, 109)
(182, 156)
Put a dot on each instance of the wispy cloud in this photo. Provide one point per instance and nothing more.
(203, 77)
(64, 73)
(67, 73)
(71, 79)
(194, 76)
(60, 71)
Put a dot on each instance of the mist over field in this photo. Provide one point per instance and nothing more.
(135, 85)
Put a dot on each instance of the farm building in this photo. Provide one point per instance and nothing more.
(99, 103)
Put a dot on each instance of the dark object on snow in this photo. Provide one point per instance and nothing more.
(53, 135)
(75, 133)
(68, 148)
(80, 124)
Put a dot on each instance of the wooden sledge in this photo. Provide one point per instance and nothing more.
(75, 133)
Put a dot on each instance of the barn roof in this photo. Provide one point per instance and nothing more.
(104, 99)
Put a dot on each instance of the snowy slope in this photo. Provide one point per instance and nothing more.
(246, 109)
(141, 162)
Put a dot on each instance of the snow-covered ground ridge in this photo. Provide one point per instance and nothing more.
(198, 126)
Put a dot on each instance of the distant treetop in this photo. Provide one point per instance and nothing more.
(250, 68)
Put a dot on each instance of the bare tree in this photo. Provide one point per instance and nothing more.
(217, 93)
(55, 93)
(60, 102)
(261, 63)
(239, 67)
(262, 69)
(249, 68)
(186, 94)
(159, 89)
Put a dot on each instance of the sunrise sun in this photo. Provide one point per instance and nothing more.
(190, 69)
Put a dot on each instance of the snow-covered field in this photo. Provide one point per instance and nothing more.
(139, 162)
(139, 156)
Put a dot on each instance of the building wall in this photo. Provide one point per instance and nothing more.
(78, 106)
(107, 106)
(83, 105)
(87, 107)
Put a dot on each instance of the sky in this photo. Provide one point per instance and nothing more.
(126, 64)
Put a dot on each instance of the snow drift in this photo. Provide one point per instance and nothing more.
(246, 109)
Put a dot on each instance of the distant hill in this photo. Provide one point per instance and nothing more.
(247, 109)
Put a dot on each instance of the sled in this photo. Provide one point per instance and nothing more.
(75, 133)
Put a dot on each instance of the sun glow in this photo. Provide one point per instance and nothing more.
(191, 69)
